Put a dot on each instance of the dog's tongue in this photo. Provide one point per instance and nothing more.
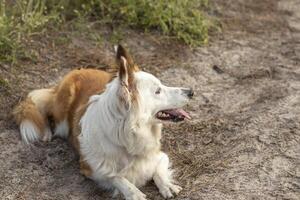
(181, 112)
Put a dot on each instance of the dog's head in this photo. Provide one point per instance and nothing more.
(144, 94)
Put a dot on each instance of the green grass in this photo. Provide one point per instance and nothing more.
(19, 21)
(184, 20)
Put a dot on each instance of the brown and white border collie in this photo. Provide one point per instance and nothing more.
(113, 121)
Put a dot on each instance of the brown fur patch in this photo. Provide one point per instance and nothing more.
(72, 96)
(73, 138)
(85, 169)
(74, 91)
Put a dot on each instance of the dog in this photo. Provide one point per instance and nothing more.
(113, 121)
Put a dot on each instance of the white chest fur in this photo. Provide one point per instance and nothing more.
(112, 145)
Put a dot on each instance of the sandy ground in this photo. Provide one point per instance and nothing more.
(244, 139)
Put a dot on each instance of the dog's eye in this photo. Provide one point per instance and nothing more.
(158, 91)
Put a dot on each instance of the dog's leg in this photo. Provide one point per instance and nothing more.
(163, 178)
(129, 190)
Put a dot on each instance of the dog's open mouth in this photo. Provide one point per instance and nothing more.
(174, 115)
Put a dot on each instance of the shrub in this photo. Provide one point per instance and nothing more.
(180, 18)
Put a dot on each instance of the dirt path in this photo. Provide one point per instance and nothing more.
(244, 140)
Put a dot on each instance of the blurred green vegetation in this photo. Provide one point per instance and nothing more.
(18, 21)
(181, 19)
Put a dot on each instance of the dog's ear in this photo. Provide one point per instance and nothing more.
(122, 52)
(125, 73)
(126, 78)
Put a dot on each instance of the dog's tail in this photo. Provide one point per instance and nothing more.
(31, 116)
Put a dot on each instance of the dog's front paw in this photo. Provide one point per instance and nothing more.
(167, 191)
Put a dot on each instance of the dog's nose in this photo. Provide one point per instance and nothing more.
(189, 92)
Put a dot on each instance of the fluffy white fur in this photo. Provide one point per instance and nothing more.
(62, 129)
(29, 132)
(121, 141)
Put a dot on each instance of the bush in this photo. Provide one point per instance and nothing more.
(181, 19)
